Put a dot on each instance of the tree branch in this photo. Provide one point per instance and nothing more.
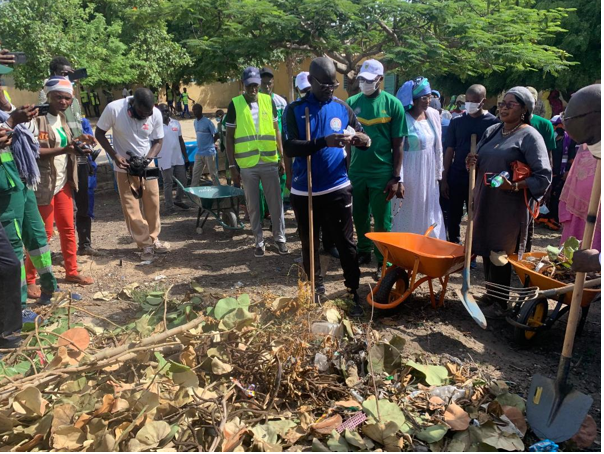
(389, 31)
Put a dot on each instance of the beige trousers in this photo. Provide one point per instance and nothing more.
(142, 215)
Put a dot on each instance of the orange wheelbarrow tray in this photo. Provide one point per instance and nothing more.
(411, 255)
(529, 316)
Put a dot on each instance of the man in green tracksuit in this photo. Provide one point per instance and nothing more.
(375, 173)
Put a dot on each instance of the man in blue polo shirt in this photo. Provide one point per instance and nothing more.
(331, 121)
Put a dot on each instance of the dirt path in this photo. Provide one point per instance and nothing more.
(224, 265)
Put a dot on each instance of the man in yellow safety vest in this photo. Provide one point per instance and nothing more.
(85, 98)
(254, 150)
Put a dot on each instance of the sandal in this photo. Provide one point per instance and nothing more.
(33, 291)
(79, 279)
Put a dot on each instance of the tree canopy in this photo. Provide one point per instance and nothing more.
(453, 41)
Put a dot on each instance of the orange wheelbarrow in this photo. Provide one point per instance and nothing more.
(411, 255)
(530, 315)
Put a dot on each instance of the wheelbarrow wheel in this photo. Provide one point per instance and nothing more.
(394, 276)
(532, 313)
(229, 218)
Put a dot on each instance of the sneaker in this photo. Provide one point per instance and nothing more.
(30, 316)
(12, 341)
(182, 205)
(282, 248)
(161, 248)
(473, 264)
(356, 310)
(148, 254)
(259, 251)
(364, 258)
(320, 289)
(333, 251)
(87, 250)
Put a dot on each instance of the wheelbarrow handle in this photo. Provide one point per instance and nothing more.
(568, 288)
(429, 229)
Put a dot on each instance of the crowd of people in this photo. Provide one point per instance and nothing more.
(378, 162)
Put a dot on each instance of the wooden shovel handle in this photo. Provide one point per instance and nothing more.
(470, 227)
(311, 233)
(588, 235)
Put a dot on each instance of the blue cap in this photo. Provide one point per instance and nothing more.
(251, 75)
(436, 92)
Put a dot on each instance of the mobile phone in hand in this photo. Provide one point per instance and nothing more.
(42, 109)
(20, 57)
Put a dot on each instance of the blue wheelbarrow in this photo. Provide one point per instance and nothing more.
(223, 202)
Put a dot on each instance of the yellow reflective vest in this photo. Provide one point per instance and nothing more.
(84, 97)
(251, 146)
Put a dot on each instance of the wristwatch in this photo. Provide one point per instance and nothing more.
(396, 177)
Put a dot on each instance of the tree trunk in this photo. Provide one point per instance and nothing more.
(289, 63)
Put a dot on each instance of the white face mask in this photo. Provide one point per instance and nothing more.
(472, 107)
(368, 88)
(596, 150)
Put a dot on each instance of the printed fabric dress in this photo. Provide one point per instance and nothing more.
(422, 168)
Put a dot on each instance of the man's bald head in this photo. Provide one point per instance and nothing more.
(322, 74)
(144, 97)
(323, 69)
(583, 113)
(476, 91)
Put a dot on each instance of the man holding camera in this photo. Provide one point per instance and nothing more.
(137, 137)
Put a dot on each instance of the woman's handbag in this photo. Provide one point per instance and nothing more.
(520, 172)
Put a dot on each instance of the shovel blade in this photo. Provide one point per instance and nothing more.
(470, 304)
(553, 414)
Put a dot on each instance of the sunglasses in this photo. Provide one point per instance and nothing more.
(507, 105)
(325, 87)
(564, 118)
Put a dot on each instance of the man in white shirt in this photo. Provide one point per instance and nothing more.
(137, 129)
(172, 159)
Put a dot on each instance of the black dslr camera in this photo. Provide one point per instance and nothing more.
(138, 167)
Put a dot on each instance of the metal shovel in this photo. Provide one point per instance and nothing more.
(554, 410)
(464, 294)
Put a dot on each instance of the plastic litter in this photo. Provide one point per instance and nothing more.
(353, 422)
(544, 446)
(335, 330)
(357, 396)
(321, 362)
(450, 393)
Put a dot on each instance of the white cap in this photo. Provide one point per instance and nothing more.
(371, 69)
(302, 81)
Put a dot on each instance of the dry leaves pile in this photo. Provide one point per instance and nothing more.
(237, 375)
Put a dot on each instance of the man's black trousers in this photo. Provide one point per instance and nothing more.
(333, 212)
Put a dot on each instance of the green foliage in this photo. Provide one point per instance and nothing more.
(117, 49)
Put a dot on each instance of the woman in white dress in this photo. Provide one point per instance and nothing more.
(422, 163)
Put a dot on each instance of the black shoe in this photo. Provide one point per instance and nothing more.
(333, 251)
(320, 289)
(356, 310)
(259, 251)
(494, 311)
(182, 205)
(378, 273)
(364, 258)
(282, 248)
(87, 250)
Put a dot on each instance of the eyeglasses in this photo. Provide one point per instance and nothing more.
(564, 118)
(507, 105)
(425, 98)
(326, 87)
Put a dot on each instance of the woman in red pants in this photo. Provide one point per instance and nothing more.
(58, 176)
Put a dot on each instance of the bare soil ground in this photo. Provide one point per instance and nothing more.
(223, 263)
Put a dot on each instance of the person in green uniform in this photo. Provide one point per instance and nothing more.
(546, 130)
(375, 173)
(184, 98)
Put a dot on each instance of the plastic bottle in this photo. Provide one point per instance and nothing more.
(498, 179)
(450, 392)
(544, 446)
(335, 330)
